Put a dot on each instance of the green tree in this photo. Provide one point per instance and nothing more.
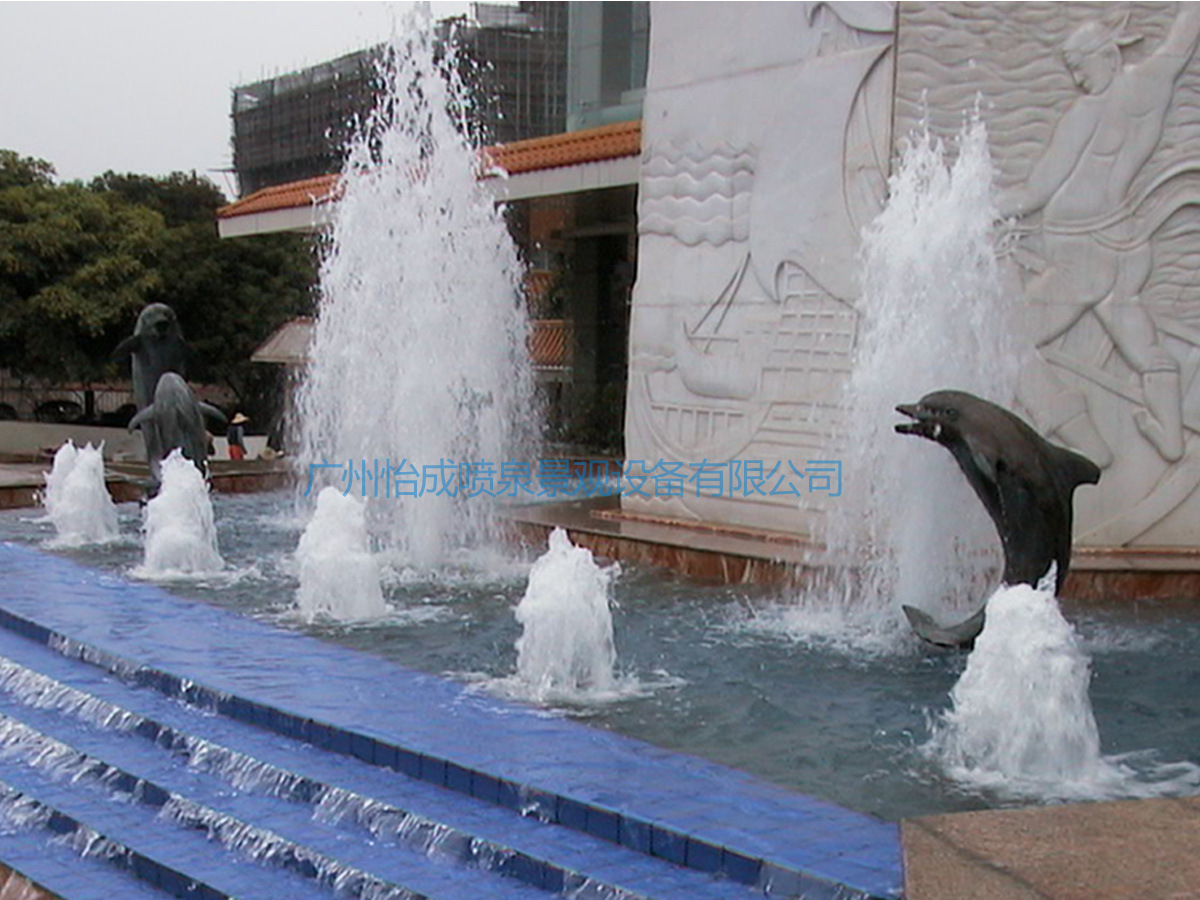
(78, 262)
(23, 171)
(179, 197)
(74, 266)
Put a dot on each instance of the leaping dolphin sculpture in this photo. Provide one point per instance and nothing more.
(175, 419)
(156, 346)
(1026, 484)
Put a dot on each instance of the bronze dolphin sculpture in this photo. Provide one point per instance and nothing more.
(156, 346)
(175, 420)
(1026, 484)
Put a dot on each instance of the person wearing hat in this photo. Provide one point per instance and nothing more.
(236, 435)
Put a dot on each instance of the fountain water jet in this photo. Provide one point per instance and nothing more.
(1021, 719)
(76, 499)
(419, 352)
(933, 314)
(181, 537)
(338, 575)
(567, 647)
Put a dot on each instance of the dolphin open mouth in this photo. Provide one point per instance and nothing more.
(922, 426)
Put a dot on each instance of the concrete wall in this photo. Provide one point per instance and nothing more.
(30, 439)
(765, 145)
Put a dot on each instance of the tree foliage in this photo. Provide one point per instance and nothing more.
(74, 265)
(78, 262)
(23, 171)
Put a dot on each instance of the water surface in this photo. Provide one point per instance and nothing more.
(706, 678)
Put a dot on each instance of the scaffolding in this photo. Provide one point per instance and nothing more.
(295, 126)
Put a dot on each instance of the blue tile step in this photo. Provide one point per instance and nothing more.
(665, 805)
(88, 804)
(658, 842)
(48, 858)
(372, 805)
(49, 832)
(260, 829)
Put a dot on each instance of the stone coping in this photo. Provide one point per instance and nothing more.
(736, 554)
(22, 483)
(1124, 850)
(702, 550)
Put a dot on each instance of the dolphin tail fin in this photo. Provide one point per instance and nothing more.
(213, 414)
(141, 418)
(961, 635)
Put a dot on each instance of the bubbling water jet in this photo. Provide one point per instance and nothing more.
(419, 352)
(567, 646)
(181, 536)
(339, 577)
(1021, 720)
(76, 499)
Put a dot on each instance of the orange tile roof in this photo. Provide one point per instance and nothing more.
(551, 152)
(292, 195)
(568, 149)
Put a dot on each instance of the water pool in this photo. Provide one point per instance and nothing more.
(703, 671)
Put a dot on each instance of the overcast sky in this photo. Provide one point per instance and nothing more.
(145, 87)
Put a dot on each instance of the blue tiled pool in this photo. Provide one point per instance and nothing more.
(421, 754)
(526, 801)
(847, 727)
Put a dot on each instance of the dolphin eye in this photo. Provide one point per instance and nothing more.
(951, 414)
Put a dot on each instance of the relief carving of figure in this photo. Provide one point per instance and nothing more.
(1096, 256)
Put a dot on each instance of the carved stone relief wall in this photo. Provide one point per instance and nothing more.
(766, 134)
(1093, 116)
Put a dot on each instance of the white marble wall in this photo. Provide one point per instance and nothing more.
(766, 133)
(766, 138)
(1093, 115)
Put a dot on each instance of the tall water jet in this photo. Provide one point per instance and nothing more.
(566, 648)
(419, 359)
(76, 499)
(339, 577)
(180, 534)
(933, 314)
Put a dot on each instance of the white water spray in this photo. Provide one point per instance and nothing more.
(567, 647)
(339, 577)
(419, 353)
(180, 535)
(76, 499)
(1021, 720)
(933, 314)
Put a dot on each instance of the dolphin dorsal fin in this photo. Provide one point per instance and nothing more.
(1074, 468)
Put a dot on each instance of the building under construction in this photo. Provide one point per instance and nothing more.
(295, 126)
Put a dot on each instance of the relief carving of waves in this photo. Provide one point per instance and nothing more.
(696, 194)
(1006, 61)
